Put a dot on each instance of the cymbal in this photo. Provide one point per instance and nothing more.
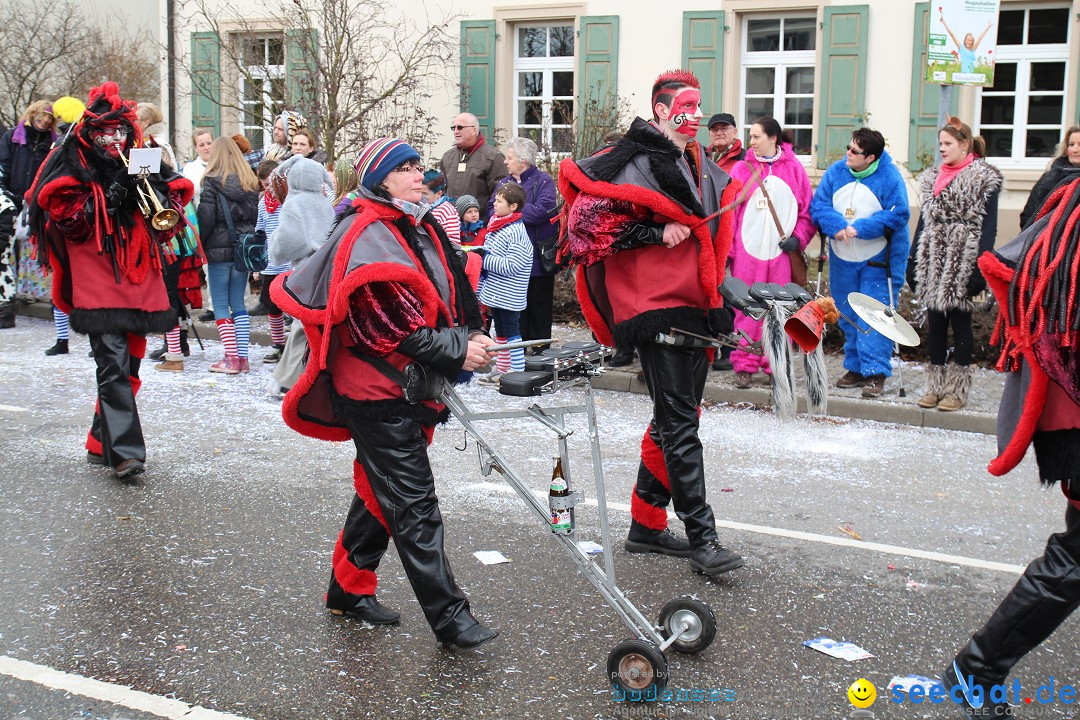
(879, 317)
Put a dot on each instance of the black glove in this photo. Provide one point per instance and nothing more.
(481, 252)
(118, 190)
(790, 244)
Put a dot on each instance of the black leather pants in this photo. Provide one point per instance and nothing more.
(394, 456)
(1046, 594)
(116, 422)
(676, 380)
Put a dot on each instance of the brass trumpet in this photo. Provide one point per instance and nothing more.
(160, 217)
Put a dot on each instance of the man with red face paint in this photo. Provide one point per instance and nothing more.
(107, 258)
(641, 221)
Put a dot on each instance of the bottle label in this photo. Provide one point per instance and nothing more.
(561, 522)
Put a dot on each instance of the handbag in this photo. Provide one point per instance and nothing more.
(797, 258)
(249, 249)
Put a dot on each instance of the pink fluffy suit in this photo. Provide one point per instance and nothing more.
(755, 253)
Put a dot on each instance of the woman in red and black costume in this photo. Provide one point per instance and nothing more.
(1034, 279)
(641, 220)
(107, 261)
(386, 289)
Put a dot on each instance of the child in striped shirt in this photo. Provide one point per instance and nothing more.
(267, 222)
(504, 281)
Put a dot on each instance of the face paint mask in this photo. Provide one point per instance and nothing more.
(110, 139)
(686, 112)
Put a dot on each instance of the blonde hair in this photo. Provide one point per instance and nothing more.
(346, 180)
(201, 131)
(38, 107)
(148, 114)
(1065, 140)
(225, 160)
(961, 132)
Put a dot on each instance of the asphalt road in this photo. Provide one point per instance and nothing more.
(203, 581)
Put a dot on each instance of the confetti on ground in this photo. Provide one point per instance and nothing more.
(490, 557)
(847, 529)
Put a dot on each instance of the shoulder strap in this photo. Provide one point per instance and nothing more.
(227, 211)
(772, 210)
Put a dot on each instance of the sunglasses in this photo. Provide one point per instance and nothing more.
(409, 167)
(853, 151)
(461, 127)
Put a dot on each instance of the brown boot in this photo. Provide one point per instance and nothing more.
(875, 385)
(851, 380)
(956, 388)
(742, 380)
(935, 386)
(171, 363)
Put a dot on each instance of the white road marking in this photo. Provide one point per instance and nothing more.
(108, 692)
(813, 537)
(12, 408)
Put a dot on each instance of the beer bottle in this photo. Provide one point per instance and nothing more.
(562, 521)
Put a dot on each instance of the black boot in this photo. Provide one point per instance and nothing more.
(623, 357)
(60, 348)
(474, 636)
(7, 314)
(365, 607)
(159, 354)
(184, 347)
(712, 558)
(643, 540)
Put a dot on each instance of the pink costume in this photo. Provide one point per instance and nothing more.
(755, 252)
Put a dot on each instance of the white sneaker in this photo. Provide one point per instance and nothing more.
(492, 378)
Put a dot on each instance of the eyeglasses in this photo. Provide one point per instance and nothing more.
(461, 127)
(856, 151)
(409, 167)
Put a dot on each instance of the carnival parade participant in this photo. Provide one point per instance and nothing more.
(772, 222)
(384, 292)
(646, 209)
(1040, 408)
(107, 259)
(860, 199)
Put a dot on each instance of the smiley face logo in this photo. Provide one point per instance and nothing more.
(862, 693)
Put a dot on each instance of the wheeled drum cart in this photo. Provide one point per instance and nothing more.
(686, 624)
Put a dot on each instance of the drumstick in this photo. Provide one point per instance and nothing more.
(520, 344)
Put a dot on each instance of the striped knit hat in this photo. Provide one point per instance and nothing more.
(379, 157)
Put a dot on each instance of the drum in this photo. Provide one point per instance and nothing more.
(524, 384)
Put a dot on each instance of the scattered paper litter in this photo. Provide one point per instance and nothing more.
(907, 682)
(842, 650)
(847, 529)
(589, 547)
(490, 557)
(11, 408)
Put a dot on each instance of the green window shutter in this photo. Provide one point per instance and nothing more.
(843, 81)
(703, 54)
(598, 79)
(925, 98)
(206, 81)
(478, 73)
(301, 69)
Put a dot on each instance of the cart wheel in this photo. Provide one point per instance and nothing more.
(634, 665)
(690, 619)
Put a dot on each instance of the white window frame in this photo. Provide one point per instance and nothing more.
(780, 61)
(264, 74)
(1024, 56)
(547, 66)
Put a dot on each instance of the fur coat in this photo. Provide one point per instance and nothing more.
(954, 229)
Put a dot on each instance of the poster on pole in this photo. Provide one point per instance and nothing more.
(962, 42)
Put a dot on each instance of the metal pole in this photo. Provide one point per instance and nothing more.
(943, 114)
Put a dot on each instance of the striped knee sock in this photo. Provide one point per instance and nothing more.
(243, 333)
(517, 357)
(502, 359)
(228, 336)
(60, 320)
(172, 341)
(277, 329)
